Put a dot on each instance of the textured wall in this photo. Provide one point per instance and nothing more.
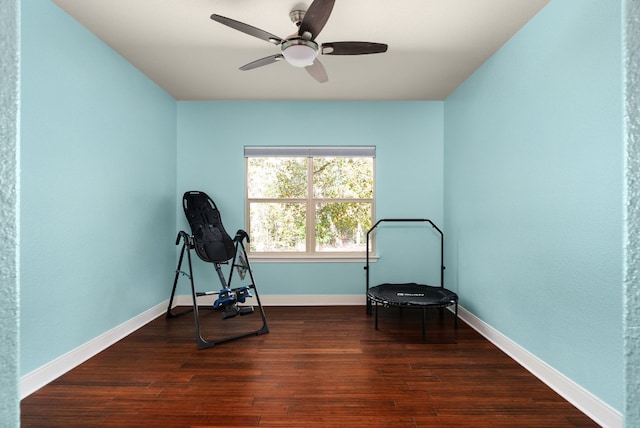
(632, 256)
(533, 192)
(97, 187)
(9, 45)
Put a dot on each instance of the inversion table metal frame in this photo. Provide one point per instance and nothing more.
(187, 246)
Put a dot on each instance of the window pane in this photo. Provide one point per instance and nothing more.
(342, 226)
(342, 178)
(277, 227)
(277, 177)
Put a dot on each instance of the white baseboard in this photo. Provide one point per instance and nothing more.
(291, 300)
(586, 402)
(47, 373)
(589, 404)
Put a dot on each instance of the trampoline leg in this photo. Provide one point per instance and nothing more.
(376, 310)
(455, 320)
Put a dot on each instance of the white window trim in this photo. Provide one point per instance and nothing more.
(311, 151)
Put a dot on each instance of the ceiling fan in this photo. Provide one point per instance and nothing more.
(300, 49)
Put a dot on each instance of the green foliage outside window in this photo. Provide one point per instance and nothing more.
(309, 204)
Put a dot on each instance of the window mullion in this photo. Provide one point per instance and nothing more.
(311, 209)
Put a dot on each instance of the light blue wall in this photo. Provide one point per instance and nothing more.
(98, 188)
(533, 192)
(531, 171)
(408, 137)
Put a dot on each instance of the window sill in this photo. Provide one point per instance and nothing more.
(290, 258)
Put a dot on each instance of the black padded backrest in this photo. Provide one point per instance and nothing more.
(211, 241)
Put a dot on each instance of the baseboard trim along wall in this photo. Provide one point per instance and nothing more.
(314, 300)
(589, 404)
(33, 381)
(593, 407)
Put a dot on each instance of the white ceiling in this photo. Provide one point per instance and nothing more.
(434, 45)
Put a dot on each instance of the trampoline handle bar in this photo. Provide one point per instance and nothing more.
(407, 220)
(423, 220)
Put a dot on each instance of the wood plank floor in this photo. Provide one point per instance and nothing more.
(318, 366)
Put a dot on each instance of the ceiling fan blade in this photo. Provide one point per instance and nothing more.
(315, 18)
(317, 71)
(353, 48)
(261, 62)
(247, 29)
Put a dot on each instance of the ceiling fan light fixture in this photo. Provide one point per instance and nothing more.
(300, 52)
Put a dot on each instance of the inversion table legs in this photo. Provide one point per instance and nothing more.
(235, 294)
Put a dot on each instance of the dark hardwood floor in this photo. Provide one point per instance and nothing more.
(318, 366)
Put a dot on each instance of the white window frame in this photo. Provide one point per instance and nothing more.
(310, 255)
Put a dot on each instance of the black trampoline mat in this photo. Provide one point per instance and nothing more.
(412, 294)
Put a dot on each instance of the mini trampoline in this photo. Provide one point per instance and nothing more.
(410, 295)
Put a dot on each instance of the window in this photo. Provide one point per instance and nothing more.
(309, 201)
